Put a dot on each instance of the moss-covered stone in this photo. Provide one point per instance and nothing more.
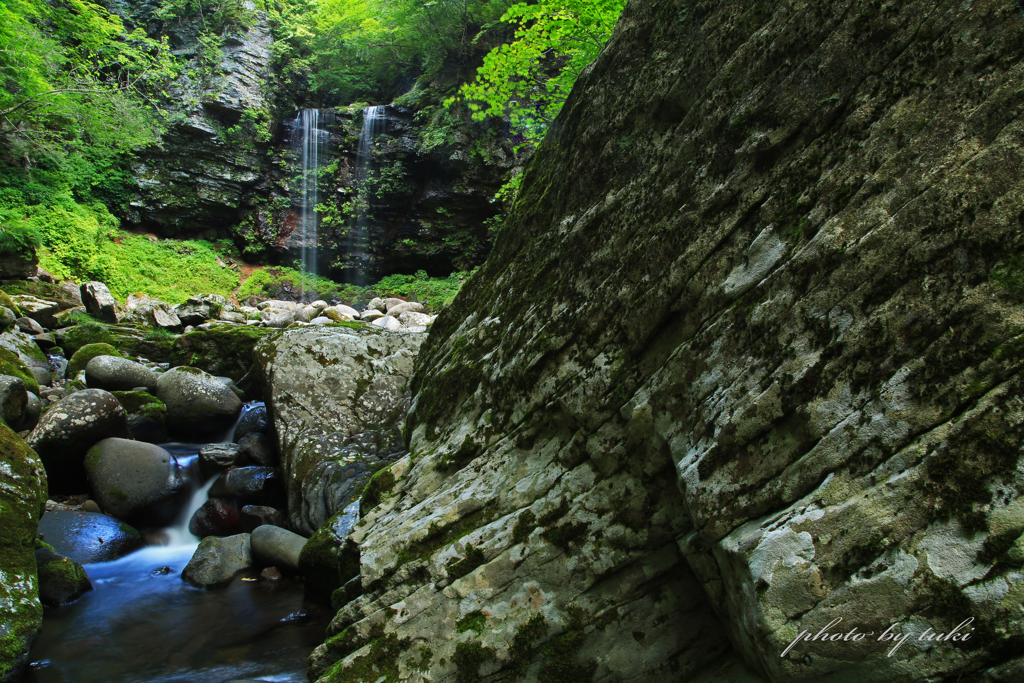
(224, 350)
(6, 301)
(11, 364)
(140, 403)
(22, 498)
(86, 353)
(327, 561)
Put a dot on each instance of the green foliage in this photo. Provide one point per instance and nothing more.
(528, 80)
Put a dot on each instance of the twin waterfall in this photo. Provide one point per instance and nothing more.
(310, 145)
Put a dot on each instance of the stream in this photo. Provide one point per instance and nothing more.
(142, 623)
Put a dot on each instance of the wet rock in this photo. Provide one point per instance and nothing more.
(197, 403)
(29, 326)
(60, 580)
(88, 537)
(274, 546)
(253, 516)
(113, 373)
(13, 401)
(135, 481)
(70, 428)
(39, 310)
(250, 486)
(216, 560)
(99, 302)
(33, 409)
(220, 456)
(42, 376)
(323, 380)
(22, 497)
(326, 561)
(253, 419)
(328, 488)
(259, 449)
(271, 574)
(215, 517)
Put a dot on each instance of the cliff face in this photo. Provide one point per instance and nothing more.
(745, 360)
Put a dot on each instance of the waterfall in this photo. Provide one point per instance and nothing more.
(310, 137)
(373, 126)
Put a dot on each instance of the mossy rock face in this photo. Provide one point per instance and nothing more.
(24, 346)
(11, 364)
(86, 353)
(327, 561)
(140, 403)
(42, 290)
(22, 499)
(223, 350)
(132, 340)
(60, 580)
(8, 302)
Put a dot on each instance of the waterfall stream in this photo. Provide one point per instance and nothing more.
(373, 126)
(142, 623)
(310, 138)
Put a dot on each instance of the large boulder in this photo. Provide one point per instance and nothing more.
(197, 403)
(60, 580)
(13, 401)
(22, 500)
(198, 309)
(150, 312)
(114, 373)
(99, 302)
(39, 310)
(69, 429)
(135, 481)
(87, 537)
(744, 362)
(147, 415)
(273, 546)
(220, 349)
(323, 385)
(216, 561)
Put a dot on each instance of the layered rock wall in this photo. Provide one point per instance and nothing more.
(746, 359)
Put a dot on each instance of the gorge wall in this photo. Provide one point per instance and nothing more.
(745, 359)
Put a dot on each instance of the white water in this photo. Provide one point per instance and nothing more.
(310, 138)
(373, 126)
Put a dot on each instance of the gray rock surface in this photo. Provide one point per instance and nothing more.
(13, 401)
(40, 310)
(197, 402)
(276, 547)
(135, 481)
(323, 381)
(260, 449)
(198, 309)
(253, 516)
(397, 310)
(219, 456)
(98, 302)
(29, 326)
(118, 374)
(216, 561)
(70, 428)
(250, 486)
(254, 419)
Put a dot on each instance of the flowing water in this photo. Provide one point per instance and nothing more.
(142, 624)
(310, 138)
(358, 235)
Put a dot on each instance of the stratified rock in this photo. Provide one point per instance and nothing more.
(87, 537)
(135, 481)
(325, 380)
(744, 362)
(60, 580)
(254, 419)
(113, 373)
(98, 302)
(259, 448)
(276, 547)
(215, 517)
(250, 486)
(22, 500)
(219, 456)
(69, 429)
(197, 403)
(253, 516)
(216, 560)
(13, 401)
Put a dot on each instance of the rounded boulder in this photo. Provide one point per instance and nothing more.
(215, 517)
(118, 374)
(87, 537)
(197, 402)
(217, 559)
(136, 481)
(69, 429)
(276, 547)
(13, 401)
(60, 580)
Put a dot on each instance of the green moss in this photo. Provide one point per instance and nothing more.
(560, 660)
(11, 364)
(327, 561)
(118, 493)
(86, 354)
(129, 530)
(524, 527)
(565, 535)
(521, 650)
(379, 665)
(140, 403)
(224, 350)
(473, 559)
(376, 489)
(474, 621)
(439, 537)
(467, 659)
(553, 515)
(465, 453)
(6, 301)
